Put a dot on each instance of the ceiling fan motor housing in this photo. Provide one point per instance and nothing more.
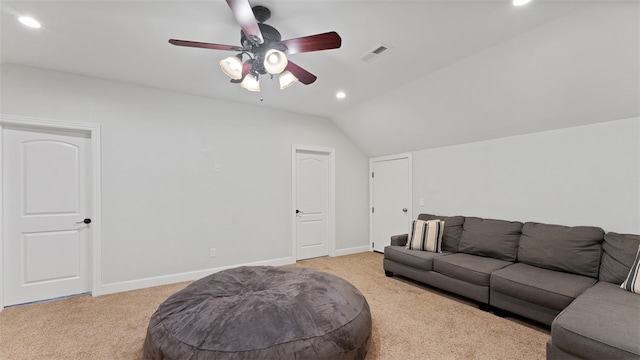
(269, 34)
(271, 38)
(261, 13)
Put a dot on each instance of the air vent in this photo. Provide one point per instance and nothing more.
(375, 53)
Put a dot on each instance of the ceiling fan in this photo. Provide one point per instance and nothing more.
(265, 50)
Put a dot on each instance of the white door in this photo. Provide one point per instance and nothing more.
(390, 200)
(45, 202)
(312, 204)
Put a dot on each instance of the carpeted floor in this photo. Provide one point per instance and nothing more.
(410, 321)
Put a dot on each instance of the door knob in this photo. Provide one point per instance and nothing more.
(299, 212)
(85, 221)
(404, 210)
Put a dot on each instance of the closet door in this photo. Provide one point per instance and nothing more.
(46, 204)
(390, 200)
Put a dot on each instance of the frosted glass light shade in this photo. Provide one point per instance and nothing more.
(287, 79)
(232, 66)
(275, 61)
(250, 83)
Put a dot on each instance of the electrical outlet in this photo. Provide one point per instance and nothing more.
(212, 252)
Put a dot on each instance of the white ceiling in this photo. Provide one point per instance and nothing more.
(127, 41)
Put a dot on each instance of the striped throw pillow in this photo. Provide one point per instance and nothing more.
(632, 283)
(426, 235)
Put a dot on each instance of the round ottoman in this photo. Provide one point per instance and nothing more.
(262, 312)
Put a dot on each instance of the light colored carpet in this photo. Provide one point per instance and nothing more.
(410, 321)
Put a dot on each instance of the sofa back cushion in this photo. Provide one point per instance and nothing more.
(575, 249)
(493, 238)
(452, 230)
(618, 254)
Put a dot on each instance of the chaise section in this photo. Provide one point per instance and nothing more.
(537, 293)
(602, 323)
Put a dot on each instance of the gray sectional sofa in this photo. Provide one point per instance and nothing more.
(564, 277)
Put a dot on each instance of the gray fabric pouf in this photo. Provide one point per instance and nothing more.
(262, 312)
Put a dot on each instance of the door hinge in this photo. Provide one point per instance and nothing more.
(372, 174)
(372, 209)
(373, 245)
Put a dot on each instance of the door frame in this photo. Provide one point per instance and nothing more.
(95, 190)
(331, 193)
(410, 194)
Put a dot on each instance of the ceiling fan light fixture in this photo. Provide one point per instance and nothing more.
(264, 47)
(287, 79)
(275, 61)
(250, 83)
(232, 66)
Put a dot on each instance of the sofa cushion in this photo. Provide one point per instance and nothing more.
(617, 257)
(602, 323)
(452, 230)
(551, 289)
(575, 250)
(470, 268)
(632, 282)
(494, 238)
(426, 235)
(422, 260)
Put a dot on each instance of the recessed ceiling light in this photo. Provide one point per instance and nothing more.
(520, 2)
(341, 95)
(30, 22)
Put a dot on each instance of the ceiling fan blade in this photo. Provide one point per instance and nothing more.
(205, 45)
(246, 67)
(326, 41)
(243, 13)
(303, 75)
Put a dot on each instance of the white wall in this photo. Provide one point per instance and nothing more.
(578, 69)
(587, 175)
(164, 206)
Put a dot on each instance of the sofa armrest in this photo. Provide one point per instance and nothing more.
(399, 240)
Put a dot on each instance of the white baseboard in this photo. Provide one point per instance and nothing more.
(352, 250)
(186, 276)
